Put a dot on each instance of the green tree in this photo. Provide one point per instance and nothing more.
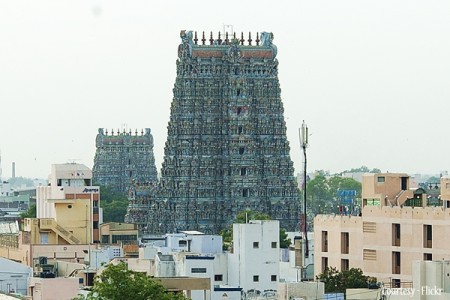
(114, 211)
(114, 204)
(246, 215)
(285, 242)
(318, 195)
(338, 281)
(30, 213)
(116, 282)
(322, 192)
(363, 169)
(243, 217)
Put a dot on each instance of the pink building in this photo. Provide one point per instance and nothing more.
(398, 225)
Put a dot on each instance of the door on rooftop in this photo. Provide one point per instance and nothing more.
(404, 183)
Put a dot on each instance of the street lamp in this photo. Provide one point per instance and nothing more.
(303, 132)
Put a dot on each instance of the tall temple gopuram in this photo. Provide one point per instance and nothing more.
(122, 158)
(226, 149)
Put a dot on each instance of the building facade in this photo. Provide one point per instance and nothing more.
(254, 262)
(14, 277)
(397, 226)
(226, 149)
(250, 270)
(68, 208)
(124, 157)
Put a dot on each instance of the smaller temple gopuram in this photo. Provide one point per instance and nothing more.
(124, 157)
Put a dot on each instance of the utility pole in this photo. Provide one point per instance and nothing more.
(304, 144)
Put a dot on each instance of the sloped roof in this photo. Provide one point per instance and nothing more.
(9, 227)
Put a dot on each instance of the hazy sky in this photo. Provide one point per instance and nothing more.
(371, 78)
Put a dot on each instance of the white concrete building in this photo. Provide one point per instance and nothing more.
(192, 241)
(5, 188)
(14, 277)
(252, 268)
(191, 254)
(254, 262)
(213, 267)
(96, 257)
(294, 267)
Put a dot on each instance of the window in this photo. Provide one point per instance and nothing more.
(427, 256)
(381, 179)
(274, 244)
(371, 202)
(344, 265)
(255, 245)
(95, 225)
(324, 263)
(395, 283)
(427, 236)
(105, 239)
(123, 237)
(218, 277)
(395, 234)
(198, 270)
(396, 262)
(345, 242)
(240, 129)
(273, 277)
(324, 241)
(182, 243)
(44, 238)
(255, 278)
(245, 193)
(241, 150)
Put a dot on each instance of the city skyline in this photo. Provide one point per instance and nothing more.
(369, 79)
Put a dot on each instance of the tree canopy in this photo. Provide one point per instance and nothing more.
(322, 192)
(116, 282)
(114, 204)
(338, 281)
(30, 213)
(243, 217)
(363, 169)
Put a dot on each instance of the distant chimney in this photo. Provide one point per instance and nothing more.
(13, 169)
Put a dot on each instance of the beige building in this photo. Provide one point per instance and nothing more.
(397, 226)
(67, 223)
(118, 233)
(431, 281)
(73, 204)
(54, 289)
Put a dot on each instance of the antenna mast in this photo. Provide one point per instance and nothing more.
(303, 134)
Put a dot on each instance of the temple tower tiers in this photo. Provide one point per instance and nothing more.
(226, 149)
(124, 157)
